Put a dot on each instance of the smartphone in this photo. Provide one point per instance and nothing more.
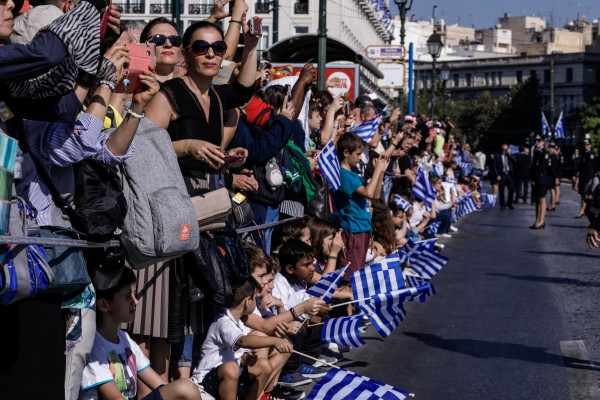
(141, 56)
(255, 24)
(288, 91)
(105, 20)
(233, 157)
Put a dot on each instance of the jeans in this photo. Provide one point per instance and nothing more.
(445, 217)
(182, 353)
(386, 189)
(264, 215)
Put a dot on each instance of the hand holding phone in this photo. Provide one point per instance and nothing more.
(255, 25)
(141, 56)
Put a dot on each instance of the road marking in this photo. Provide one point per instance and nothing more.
(580, 372)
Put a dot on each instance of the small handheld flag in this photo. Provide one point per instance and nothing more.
(329, 164)
(425, 262)
(327, 285)
(433, 228)
(378, 278)
(399, 200)
(423, 189)
(343, 331)
(466, 205)
(367, 129)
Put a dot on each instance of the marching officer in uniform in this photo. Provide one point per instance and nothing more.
(585, 173)
(540, 181)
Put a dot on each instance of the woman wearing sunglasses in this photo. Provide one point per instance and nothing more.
(191, 110)
(163, 33)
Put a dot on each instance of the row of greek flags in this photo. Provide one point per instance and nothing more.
(559, 129)
(380, 292)
(328, 160)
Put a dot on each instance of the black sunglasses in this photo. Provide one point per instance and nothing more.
(200, 47)
(159, 40)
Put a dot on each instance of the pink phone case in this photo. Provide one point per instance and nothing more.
(104, 22)
(141, 56)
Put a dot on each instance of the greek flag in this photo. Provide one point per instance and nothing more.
(466, 205)
(378, 278)
(415, 281)
(399, 200)
(327, 284)
(438, 169)
(429, 243)
(423, 261)
(367, 129)
(343, 331)
(433, 228)
(545, 126)
(341, 384)
(488, 200)
(329, 164)
(450, 180)
(559, 130)
(385, 310)
(423, 189)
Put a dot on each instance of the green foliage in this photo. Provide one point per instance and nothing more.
(476, 117)
(589, 120)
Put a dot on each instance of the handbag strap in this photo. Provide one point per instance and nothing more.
(221, 114)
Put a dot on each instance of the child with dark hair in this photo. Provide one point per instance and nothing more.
(117, 362)
(226, 368)
(352, 201)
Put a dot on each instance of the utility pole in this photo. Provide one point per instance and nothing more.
(176, 11)
(322, 60)
(552, 98)
(275, 21)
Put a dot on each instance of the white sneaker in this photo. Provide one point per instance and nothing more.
(444, 235)
(453, 229)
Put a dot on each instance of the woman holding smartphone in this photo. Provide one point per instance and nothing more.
(163, 33)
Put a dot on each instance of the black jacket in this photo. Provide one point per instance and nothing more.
(523, 169)
(540, 174)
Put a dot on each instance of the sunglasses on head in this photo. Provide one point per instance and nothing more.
(159, 40)
(200, 47)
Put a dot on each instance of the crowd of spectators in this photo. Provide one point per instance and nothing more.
(233, 125)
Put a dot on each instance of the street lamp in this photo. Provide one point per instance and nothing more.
(403, 7)
(434, 45)
(444, 76)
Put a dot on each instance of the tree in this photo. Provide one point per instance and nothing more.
(476, 117)
(589, 120)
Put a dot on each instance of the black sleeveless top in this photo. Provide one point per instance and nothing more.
(192, 122)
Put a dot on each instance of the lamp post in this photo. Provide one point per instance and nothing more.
(434, 45)
(444, 76)
(403, 7)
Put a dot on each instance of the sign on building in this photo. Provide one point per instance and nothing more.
(385, 52)
(393, 75)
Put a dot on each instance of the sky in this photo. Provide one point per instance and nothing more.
(485, 13)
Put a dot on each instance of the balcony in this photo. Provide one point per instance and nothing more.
(126, 8)
(161, 8)
(262, 8)
(301, 8)
(200, 8)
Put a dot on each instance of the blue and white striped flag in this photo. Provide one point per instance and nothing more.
(423, 189)
(343, 331)
(367, 129)
(416, 281)
(438, 169)
(327, 284)
(466, 205)
(433, 228)
(429, 243)
(341, 384)
(450, 180)
(399, 200)
(559, 129)
(329, 164)
(423, 261)
(545, 126)
(381, 277)
(488, 200)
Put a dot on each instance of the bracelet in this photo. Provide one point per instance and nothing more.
(393, 144)
(107, 83)
(294, 313)
(133, 114)
(236, 21)
(332, 257)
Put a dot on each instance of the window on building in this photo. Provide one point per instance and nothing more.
(301, 7)
(597, 75)
(500, 78)
(262, 7)
(487, 79)
(493, 79)
(533, 74)
(455, 78)
(263, 43)
(519, 76)
(569, 75)
(468, 80)
(301, 29)
(546, 76)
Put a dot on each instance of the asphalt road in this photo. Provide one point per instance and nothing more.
(510, 305)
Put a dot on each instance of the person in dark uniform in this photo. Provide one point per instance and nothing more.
(540, 180)
(523, 171)
(576, 162)
(554, 175)
(504, 166)
(585, 173)
(559, 169)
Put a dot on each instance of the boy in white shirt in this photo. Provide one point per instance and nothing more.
(225, 368)
(117, 362)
